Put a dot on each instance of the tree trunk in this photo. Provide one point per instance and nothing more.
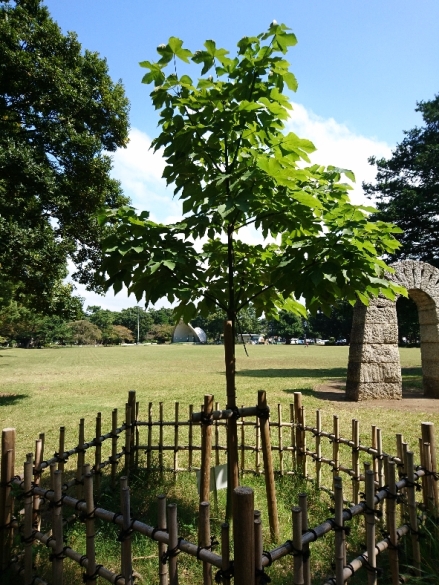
(232, 435)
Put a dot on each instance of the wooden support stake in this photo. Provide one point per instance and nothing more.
(114, 438)
(37, 479)
(80, 461)
(380, 477)
(90, 551)
(176, 413)
(270, 486)
(413, 516)
(132, 421)
(126, 559)
(242, 446)
(370, 526)
(258, 549)
(336, 447)
(217, 443)
(303, 504)
(173, 543)
(318, 448)
(280, 439)
(390, 477)
(148, 452)
(257, 447)
(28, 519)
(374, 446)
(340, 541)
(162, 525)
(204, 539)
(61, 447)
(161, 464)
(206, 448)
(57, 528)
(243, 536)
(356, 461)
(298, 418)
(297, 544)
(137, 436)
(428, 437)
(128, 434)
(429, 480)
(293, 422)
(98, 454)
(190, 437)
(225, 552)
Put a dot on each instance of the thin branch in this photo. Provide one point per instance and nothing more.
(258, 218)
(254, 297)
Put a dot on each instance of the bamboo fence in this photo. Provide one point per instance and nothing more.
(387, 485)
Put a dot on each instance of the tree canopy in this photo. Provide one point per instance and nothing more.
(59, 113)
(407, 188)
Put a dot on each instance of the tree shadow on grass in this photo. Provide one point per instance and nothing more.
(294, 373)
(11, 399)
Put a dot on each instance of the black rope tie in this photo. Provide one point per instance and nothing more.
(211, 546)
(154, 530)
(263, 413)
(261, 577)
(338, 528)
(369, 567)
(267, 554)
(115, 517)
(91, 516)
(58, 556)
(171, 552)
(86, 578)
(78, 503)
(371, 511)
(61, 457)
(298, 553)
(117, 577)
(28, 539)
(314, 534)
(235, 413)
(412, 484)
(206, 419)
(226, 574)
(348, 511)
(124, 534)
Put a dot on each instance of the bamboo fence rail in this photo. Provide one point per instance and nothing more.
(389, 484)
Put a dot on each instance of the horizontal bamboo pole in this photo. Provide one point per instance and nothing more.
(228, 413)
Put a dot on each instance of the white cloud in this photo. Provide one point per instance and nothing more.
(338, 145)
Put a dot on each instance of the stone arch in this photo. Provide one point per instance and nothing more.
(374, 369)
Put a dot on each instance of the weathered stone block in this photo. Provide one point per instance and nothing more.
(377, 333)
(430, 333)
(428, 316)
(373, 352)
(429, 352)
(431, 387)
(380, 315)
(375, 391)
(430, 368)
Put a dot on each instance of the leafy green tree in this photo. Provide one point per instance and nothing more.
(407, 188)
(233, 166)
(287, 325)
(128, 318)
(161, 332)
(102, 318)
(336, 325)
(84, 333)
(59, 113)
(123, 334)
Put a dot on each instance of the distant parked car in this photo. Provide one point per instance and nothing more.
(341, 342)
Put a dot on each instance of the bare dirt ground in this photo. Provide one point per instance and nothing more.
(412, 399)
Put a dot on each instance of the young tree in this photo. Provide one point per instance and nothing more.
(233, 166)
(407, 188)
(59, 113)
(287, 325)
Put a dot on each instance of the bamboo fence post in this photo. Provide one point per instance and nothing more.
(242, 446)
(217, 455)
(268, 465)
(303, 504)
(374, 446)
(161, 466)
(299, 434)
(340, 543)
(355, 461)
(280, 439)
(128, 433)
(176, 416)
(293, 439)
(243, 534)
(303, 433)
(257, 447)
(427, 429)
(173, 543)
(61, 448)
(336, 447)
(125, 536)
(114, 438)
(225, 553)
(148, 452)
(90, 574)
(204, 539)
(57, 528)
(318, 448)
(258, 549)
(137, 435)
(380, 477)
(206, 448)
(98, 454)
(232, 429)
(297, 545)
(399, 441)
(132, 421)
(412, 509)
(390, 475)
(28, 519)
(80, 461)
(370, 527)
(6, 497)
(37, 479)
(429, 480)
(162, 525)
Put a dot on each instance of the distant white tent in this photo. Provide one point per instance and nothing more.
(185, 333)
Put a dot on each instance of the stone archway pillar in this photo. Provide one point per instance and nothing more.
(374, 369)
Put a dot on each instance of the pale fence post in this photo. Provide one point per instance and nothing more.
(297, 545)
(6, 501)
(243, 535)
(370, 526)
(206, 448)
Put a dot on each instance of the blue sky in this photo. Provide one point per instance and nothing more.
(361, 67)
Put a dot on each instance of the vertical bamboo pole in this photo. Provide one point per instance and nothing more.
(80, 461)
(114, 438)
(148, 453)
(300, 456)
(303, 504)
(318, 448)
(28, 518)
(61, 447)
(257, 447)
(380, 476)
(429, 481)
(242, 446)
(303, 423)
(389, 468)
(161, 437)
(137, 441)
(340, 544)
(176, 416)
(57, 529)
(217, 454)
(232, 434)
(6, 500)
(98, 454)
(336, 447)
(225, 551)
(280, 439)
(243, 536)
(399, 441)
(268, 467)
(293, 422)
(90, 551)
(412, 509)
(127, 569)
(162, 525)
(355, 461)
(297, 544)
(128, 433)
(204, 539)
(173, 543)
(370, 526)
(374, 446)
(258, 548)
(424, 477)
(206, 448)
(428, 437)
(37, 479)
(132, 421)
